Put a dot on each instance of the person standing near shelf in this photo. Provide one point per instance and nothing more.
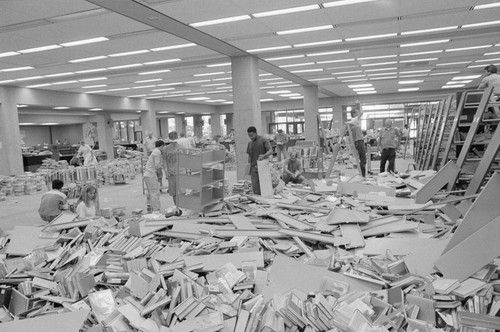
(258, 149)
(86, 204)
(149, 144)
(388, 142)
(281, 140)
(170, 166)
(150, 176)
(85, 151)
(53, 202)
(184, 142)
(357, 135)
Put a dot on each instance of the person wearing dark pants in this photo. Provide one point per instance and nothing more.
(258, 149)
(357, 135)
(387, 143)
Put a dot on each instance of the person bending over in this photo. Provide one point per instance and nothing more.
(86, 204)
(292, 169)
(258, 149)
(53, 202)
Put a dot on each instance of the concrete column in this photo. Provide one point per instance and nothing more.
(247, 110)
(215, 124)
(163, 127)
(148, 121)
(311, 113)
(338, 114)
(11, 160)
(197, 127)
(180, 125)
(105, 133)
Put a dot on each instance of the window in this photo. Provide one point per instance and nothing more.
(171, 124)
(189, 126)
(124, 131)
(206, 128)
(290, 121)
(223, 125)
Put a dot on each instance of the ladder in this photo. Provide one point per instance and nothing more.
(422, 123)
(446, 123)
(354, 150)
(437, 110)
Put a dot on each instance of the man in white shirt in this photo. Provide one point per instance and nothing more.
(85, 151)
(184, 142)
(149, 144)
(154, 164)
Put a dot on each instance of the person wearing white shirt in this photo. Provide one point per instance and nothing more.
(85, 151)
(154, 164)
(149, 144)
(86, 204)
(184, 142)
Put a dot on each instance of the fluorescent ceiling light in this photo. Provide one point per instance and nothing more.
(422, 53)
(266, 99)
(115, 55)
(209, 74)
(377, 57)
(301, 30)
(282, 58)
(348, 72)
(136, 96)
(382, 74)
(415, 71)
(380, 69)
(411, 82)
(161, 61)
(350, 76)
(452, 63)
(198, 98)
(325, 42)
(372, 36)
(164, 89)
(265, 74)
(65, 82)
(470, 77)
(94, 86)
(118, 89)
(95, 109)
(327, 53)
(173, 47)
(286, 11)
(344, 3)
(29, 78)
(408, 89)
(298, 65)
(97, 91)
(90, 70)
(219, 64)
(364, 89)
(100, 57)
(487, 5)
(60, 108)
(428, 30)
(382, 78)
(154, 72)
(467, 48)
(278, 92)
(301, 97)
(195, 82)
(6, 81)
(6, 54)
(492, 53)
(126, 66)
(379, 64)
(430, 42)
(473, 25)
(17, 69)
(144, 86)
(489, 60)
(445, 73)
(222, 79)
(21, 106)
(60, 74)
(418, 60)
(459, 82)
(333, 61)
(220, 21)
(39, 49)
(49, 123)
(453, 86)
(84, 41)
(93, 79)
(360, 85)
(287, 86)
(151, 80)
(290, 95)
(366, 92)
(38, 85)
(169, 84)
(268, 49)
(306, 70)
(215, 100)
(412, 75)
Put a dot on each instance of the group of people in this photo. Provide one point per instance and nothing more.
(54, 202)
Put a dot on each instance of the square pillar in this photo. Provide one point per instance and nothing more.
(180, 124)
(229, 122)
(11, 160)
(247, 109)
(163, 132)
(215, 124)
(149, 123)
(105, 133)
(197, 127)
(311, 125)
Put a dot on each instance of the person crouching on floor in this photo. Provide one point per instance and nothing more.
(292, 169)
